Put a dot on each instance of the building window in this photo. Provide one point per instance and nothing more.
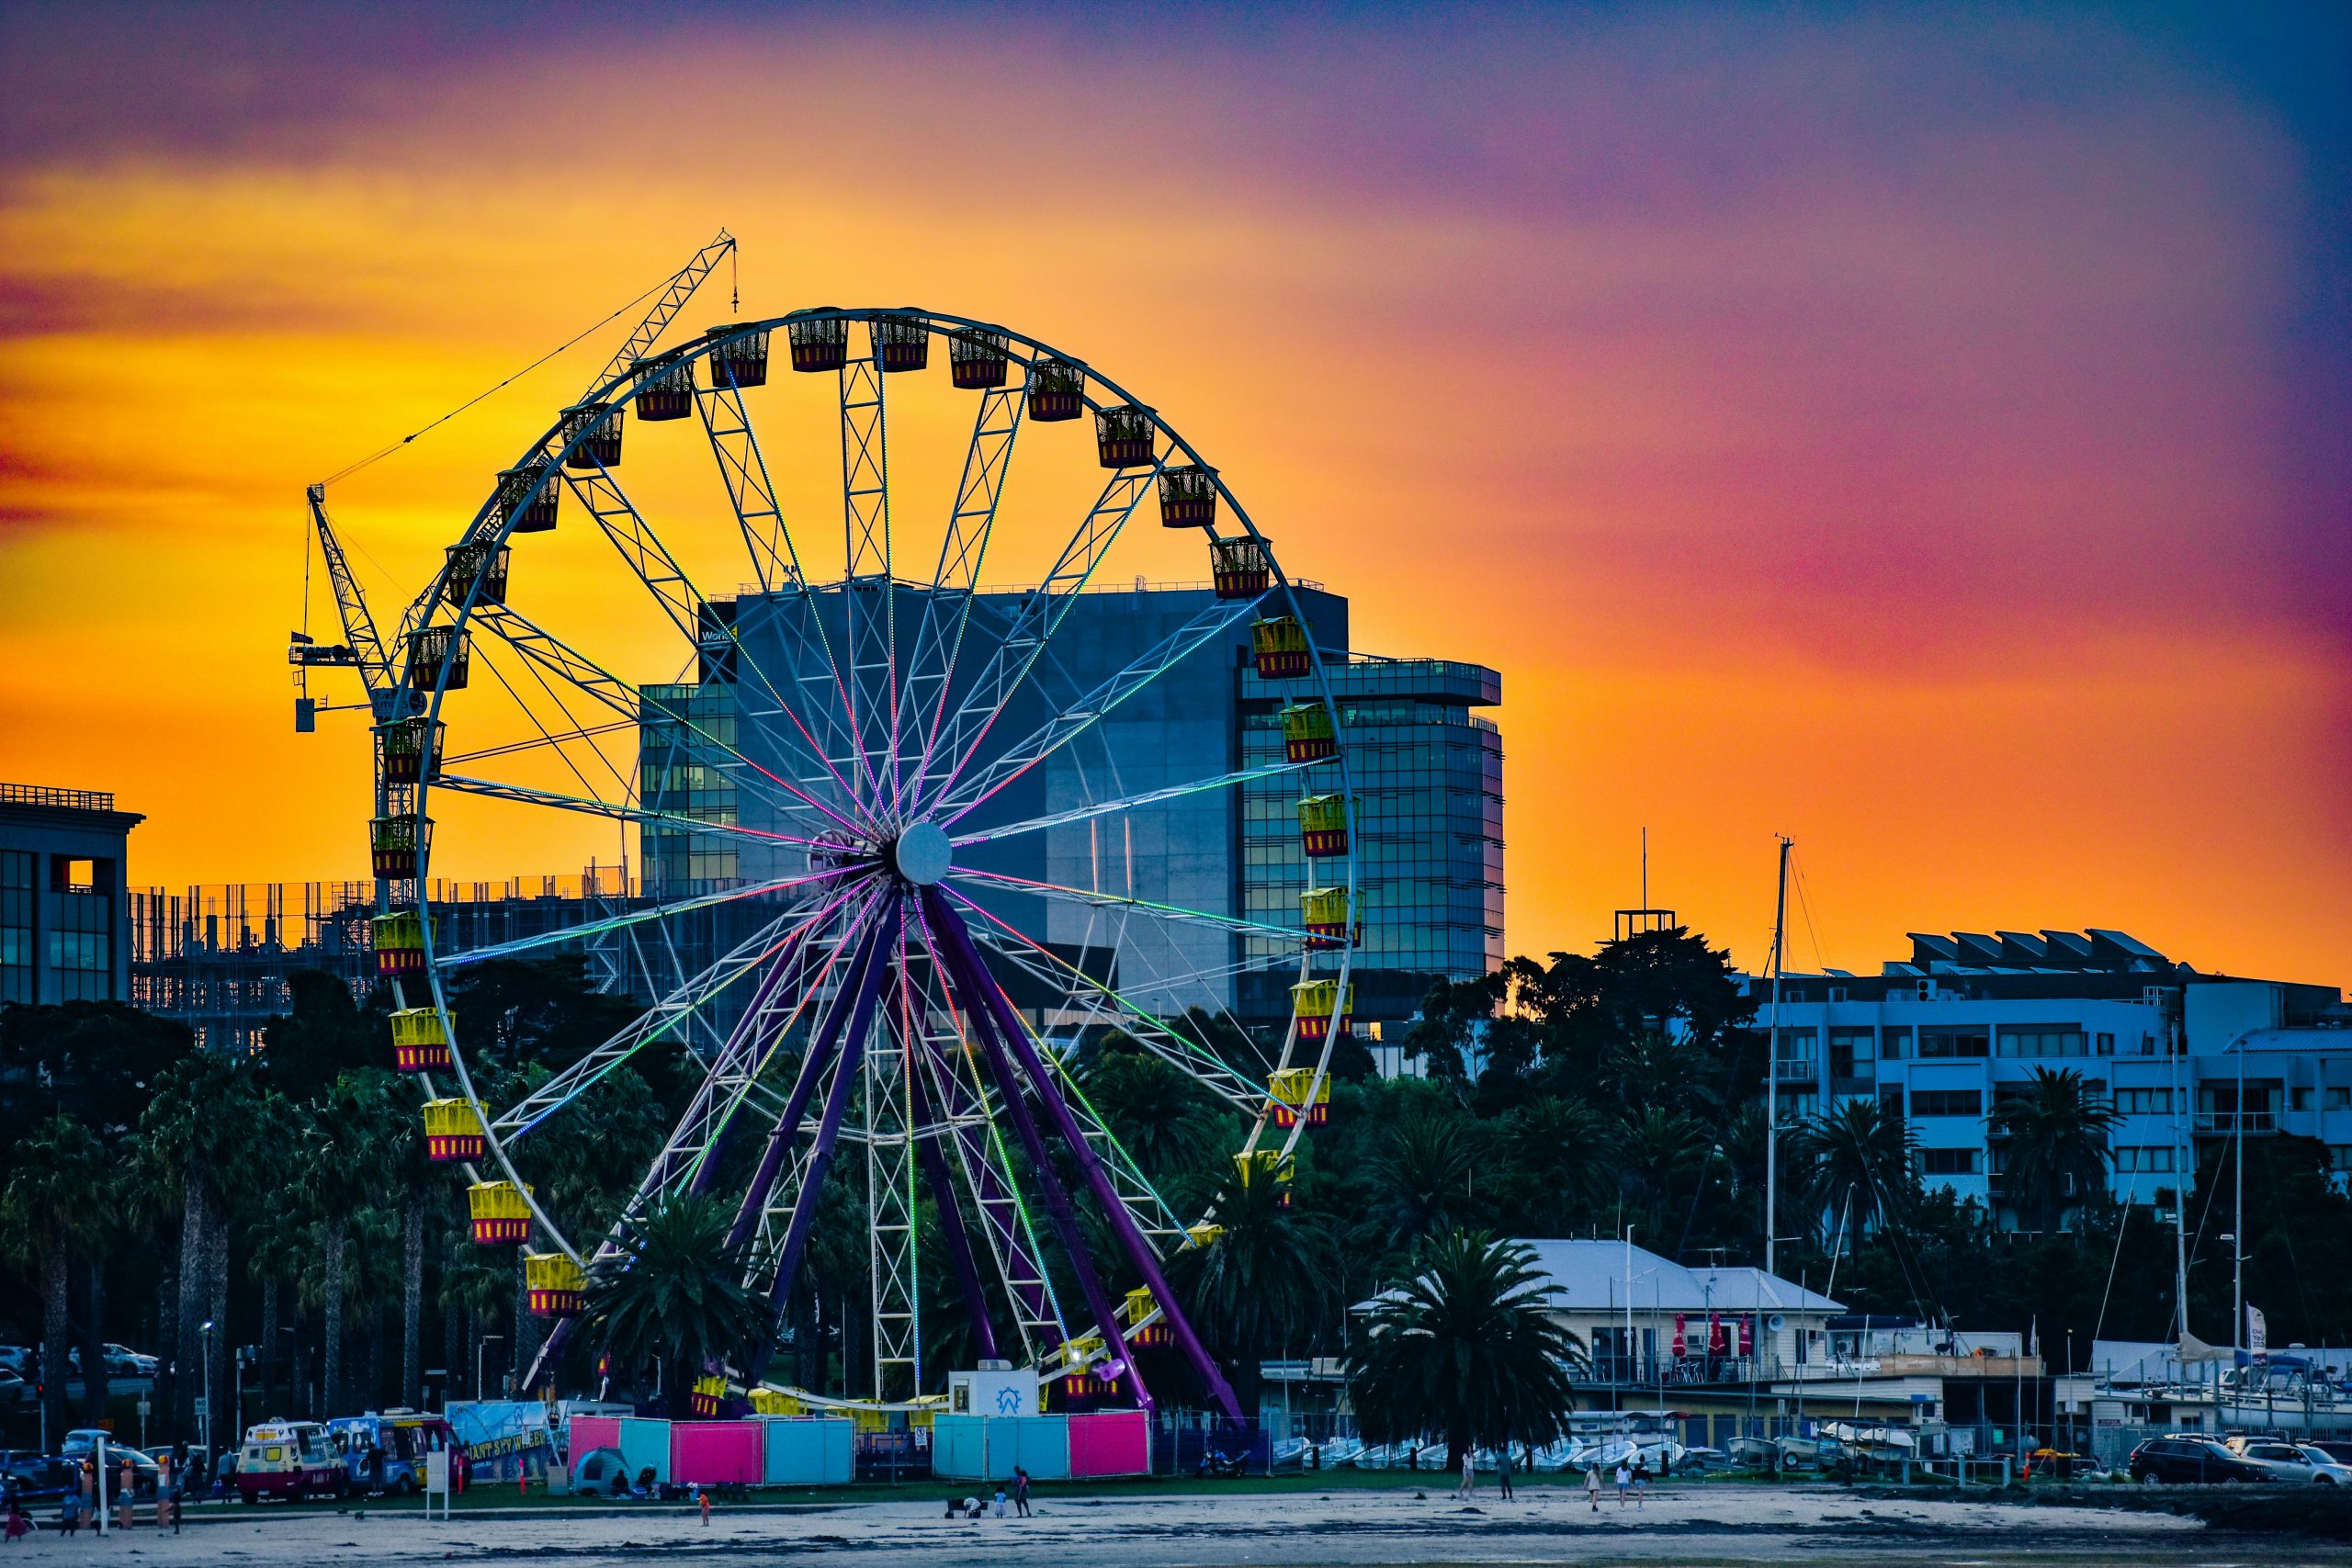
(1894, 1043)
(2339, 1097)
(2299, 1098)
(2339, 1157)
(1851, 1052)
(2030, 1040)
(2144, 1101)
(2107, 1045)
(1947, 1102)
(15, 927)
(1947, 1162)
(1793, 1051)
(81, 948)
(1798, 1104)
(2130, 1160)
(1939, 1042)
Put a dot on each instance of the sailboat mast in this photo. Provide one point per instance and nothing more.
(1772, 1068)
(2183, 1170)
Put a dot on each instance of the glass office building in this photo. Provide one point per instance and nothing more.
(1428, 771)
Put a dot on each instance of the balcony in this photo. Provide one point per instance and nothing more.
(2227, 1123)
(1797, 1069)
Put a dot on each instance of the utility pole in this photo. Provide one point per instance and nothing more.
(1772, 1070)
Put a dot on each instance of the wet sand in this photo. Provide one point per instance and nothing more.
(1694, 1526)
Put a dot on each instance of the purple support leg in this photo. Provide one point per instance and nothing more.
(951, 1212)
(970, 977)
(854, 987)
(829, 1127)
(949, 927)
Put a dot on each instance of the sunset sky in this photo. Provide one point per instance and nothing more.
(1923, 431)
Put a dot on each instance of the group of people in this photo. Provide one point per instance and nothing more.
(79, 1504)
(1632, 1484)
(977, 1508)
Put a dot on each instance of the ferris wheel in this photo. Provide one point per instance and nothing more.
(871, 796)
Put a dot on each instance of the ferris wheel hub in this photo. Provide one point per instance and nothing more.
(919, 855)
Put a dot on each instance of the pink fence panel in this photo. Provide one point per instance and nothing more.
(1110, 1442)
(712, 1453)
(589, 1433)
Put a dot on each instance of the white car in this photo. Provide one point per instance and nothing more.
(2332, 1471)
(2285, 1461)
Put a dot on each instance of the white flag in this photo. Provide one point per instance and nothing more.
(2257, 1333)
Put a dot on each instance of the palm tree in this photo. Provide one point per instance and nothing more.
(1468, 1349)
(1262, 1286)
(672, 1293)
(1159, 1114)
(1559, 1149)
(349, 1147)
(2053, 1140)
(1656, 1149)
(58, 1180)
(199, 1127)
(1423, 1178)
(1856, 1146)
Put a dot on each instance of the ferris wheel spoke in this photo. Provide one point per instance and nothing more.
(955, 582)
(996, 1009)
(1208, 626)
(522, 795)
(1128, 803)
(1006, 1224)
(691, 736)
(870, 631)
(587, 928)
(775, 562)
(1054, 890)
(708, 629)
(1036, 619)
(1110, 1005)
(559, 744)
(763, 952)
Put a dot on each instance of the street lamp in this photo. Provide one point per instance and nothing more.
(480, 1345)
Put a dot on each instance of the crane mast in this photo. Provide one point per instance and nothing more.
(362, 648)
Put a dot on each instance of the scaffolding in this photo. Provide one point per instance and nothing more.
(221, 957)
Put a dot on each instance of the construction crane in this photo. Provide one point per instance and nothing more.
(362, 648)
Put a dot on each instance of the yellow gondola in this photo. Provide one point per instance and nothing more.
(592, 432)
(1323, 826)
(1298, 1094)
(1308, 733)
(1316, 1003)
(398, 941)
(500, 1213)
(1187, 496)
(453, 1130)
(555, 1284)
(1239, 569)
(1279, 645)
(738, 362)
(419, 1043)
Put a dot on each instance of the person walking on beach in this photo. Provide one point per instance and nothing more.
(1592, 1486)
(1502, 1472)
(1624, 1483)
(1469, 1486)
(1021, 1491)
(1641, 1480)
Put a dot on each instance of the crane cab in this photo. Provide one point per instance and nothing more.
(741, 360)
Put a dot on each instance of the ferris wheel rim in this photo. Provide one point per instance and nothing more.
(548, 456)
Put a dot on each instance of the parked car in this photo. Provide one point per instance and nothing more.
(36, 1476)
(83, 1441)
(2187, 1458)
(121, 1361)
(2340, 1452)
(13, 1388)
(2332, 1469)
(2282, 1460)
(18, 1359)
